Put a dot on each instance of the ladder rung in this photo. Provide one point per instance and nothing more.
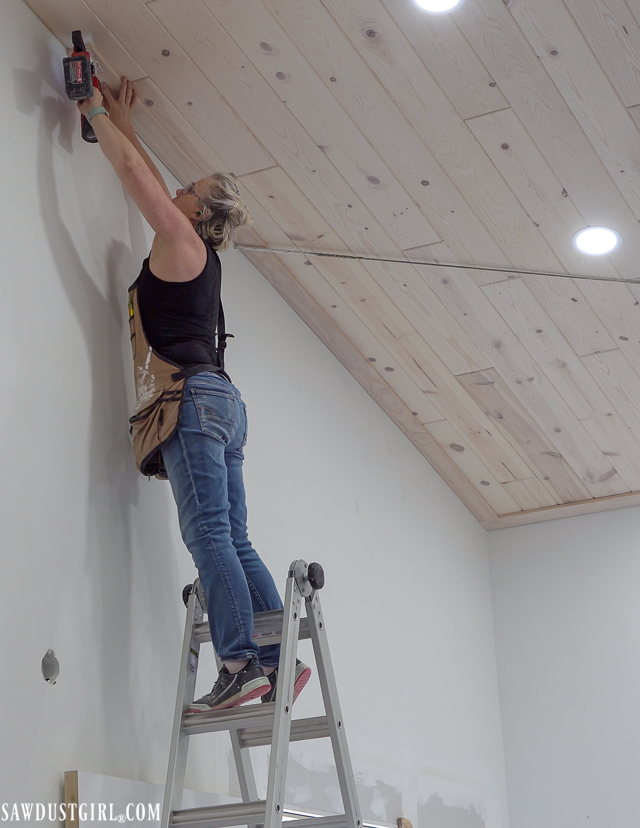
(254, 724)
(267, 628)
(233, 718)
(314, 728)
(219, 815)
(336, 821)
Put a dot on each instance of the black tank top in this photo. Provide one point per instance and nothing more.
(180, 318)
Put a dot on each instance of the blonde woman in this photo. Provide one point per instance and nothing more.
(177, 311)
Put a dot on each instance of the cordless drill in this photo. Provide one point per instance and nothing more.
(79, 80)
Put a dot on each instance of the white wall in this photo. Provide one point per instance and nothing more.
(93, 565)
(567, 616)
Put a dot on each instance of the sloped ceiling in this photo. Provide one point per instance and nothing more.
(488, 136)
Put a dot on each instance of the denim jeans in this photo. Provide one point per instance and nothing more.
(204, 463)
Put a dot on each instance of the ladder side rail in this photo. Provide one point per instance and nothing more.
(184, 698)
(332, 707)
(283, 704)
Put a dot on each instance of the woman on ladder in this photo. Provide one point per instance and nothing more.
(177, 306)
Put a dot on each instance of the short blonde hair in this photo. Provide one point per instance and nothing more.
(223, 211)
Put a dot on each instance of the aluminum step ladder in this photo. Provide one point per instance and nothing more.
(262, 723)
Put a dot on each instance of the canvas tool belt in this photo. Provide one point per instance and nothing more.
(159, 392)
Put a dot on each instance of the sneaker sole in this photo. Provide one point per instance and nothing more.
(252, 690)
(301, 682)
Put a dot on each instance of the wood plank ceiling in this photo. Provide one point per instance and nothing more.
(488, 136)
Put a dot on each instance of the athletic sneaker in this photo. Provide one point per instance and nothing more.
(301, 677)
(232, 689)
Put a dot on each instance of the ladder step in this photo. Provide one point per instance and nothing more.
(254, 724)
(240, 813)
(220, 815)
(234, 718)
(337, 821)
(301, 729)
(267, 628)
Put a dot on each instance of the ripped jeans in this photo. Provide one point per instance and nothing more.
(204, 463)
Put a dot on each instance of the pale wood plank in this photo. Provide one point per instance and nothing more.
(309, 100)
(436, 252)
(530, 493)
(619, 308)
(369, 105)
(536, 331)
(406, 288)
(454, 444)
(620, 444)
(72, 818)
(439, 252)
(613, 35)
(182, 83)
(619, 381)
(634, 111)
(504, 457)
(567, 58)
(603, 504)
(540, 191)
(257, 190)
(490, 391)
(387, 52)
(228, 68)
(448, 56)
(356, 287)
(155, 127)
(331, 335)
(569, 375)
(514, 65)
(171, 120)
(526, 379)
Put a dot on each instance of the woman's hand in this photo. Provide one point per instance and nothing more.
(120, 108)
(92, 102)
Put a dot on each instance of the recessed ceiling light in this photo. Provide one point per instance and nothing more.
(596, 241)
(439, 6)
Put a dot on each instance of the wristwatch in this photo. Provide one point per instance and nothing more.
(95, 111)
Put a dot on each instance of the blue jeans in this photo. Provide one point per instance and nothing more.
(204, 463)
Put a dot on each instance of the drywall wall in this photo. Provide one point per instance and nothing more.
(93, 565)
(567, 621)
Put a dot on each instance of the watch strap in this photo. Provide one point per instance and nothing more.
(95, 111)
